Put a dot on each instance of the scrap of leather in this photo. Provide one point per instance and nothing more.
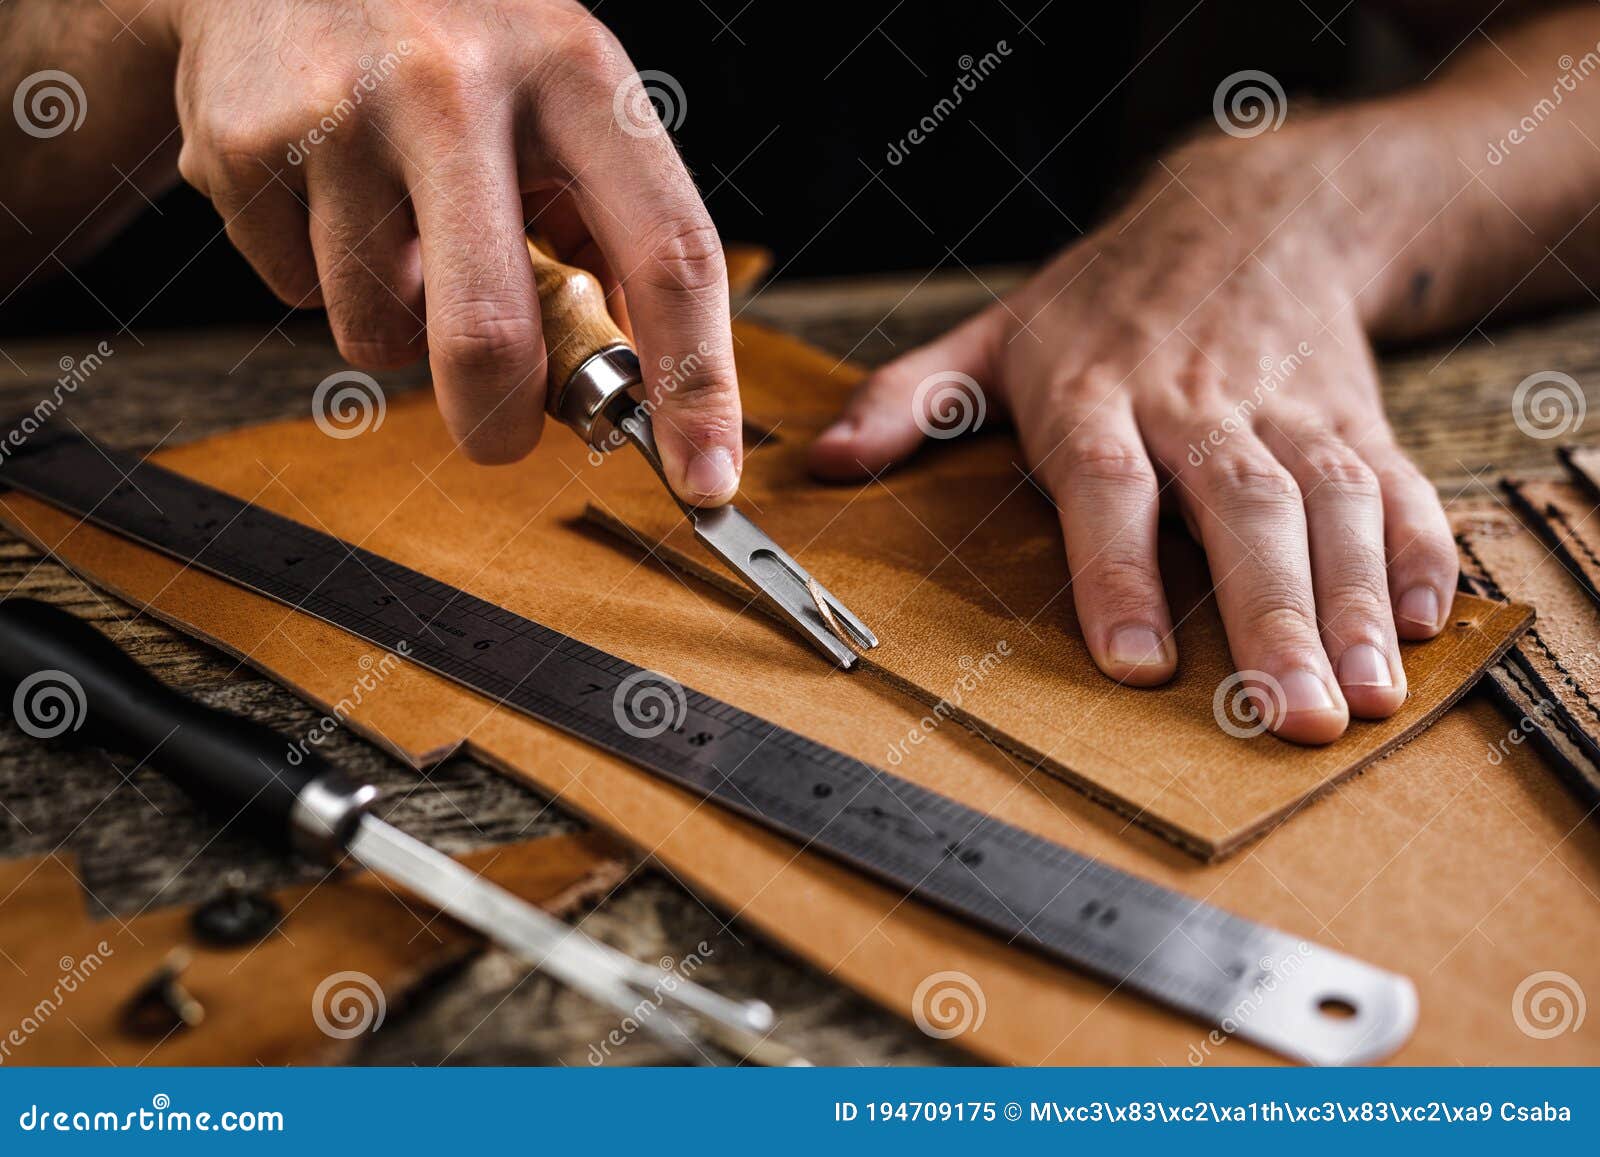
(1563, 515)
(956, 562)
(78, 973)
(1551, 678)
(1435, 863)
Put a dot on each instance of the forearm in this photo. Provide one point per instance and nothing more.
(66, 188)
(1424, 211)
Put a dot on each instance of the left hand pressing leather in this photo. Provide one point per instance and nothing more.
(1202, 349)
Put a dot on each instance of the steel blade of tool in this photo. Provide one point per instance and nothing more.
(762, 564)
(609, 977)
(1304, 1001)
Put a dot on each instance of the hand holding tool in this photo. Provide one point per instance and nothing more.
(597, 389)
(61, 676)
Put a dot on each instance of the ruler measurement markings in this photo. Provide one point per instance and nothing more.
(1162, 943)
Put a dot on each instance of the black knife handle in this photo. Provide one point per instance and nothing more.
(62, 679)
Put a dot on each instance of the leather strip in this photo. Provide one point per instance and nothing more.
(1550, 682)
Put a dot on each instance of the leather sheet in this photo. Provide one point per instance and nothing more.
(258, 999)
(1417, 865)
(956, 562)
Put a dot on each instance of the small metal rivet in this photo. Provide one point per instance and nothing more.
(161, 1005)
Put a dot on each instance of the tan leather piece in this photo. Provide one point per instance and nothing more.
(1552, 675)
(957, 556)
(258, 999)
(1564, 516)
(1433, 863)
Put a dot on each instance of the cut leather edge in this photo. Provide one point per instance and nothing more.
(1208, 850)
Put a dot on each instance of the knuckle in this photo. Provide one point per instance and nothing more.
(484, 336)
(1281, 616)
(1430, 551)
(685, 255)
(442, 81)
(1358, 583)
(1249, 479)
(1334, 464)
(1106, 460)
(588, 49)
(1122, 578)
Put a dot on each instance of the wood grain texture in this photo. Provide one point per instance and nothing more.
(1405, 865)
(572, 307)
(1451, 408)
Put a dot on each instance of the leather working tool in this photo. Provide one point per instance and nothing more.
(596, 388)
(1153, 941)
(65, 677)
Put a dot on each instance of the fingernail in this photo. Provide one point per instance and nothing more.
(1419, 605)
(1363, 665)
(1135, 647)
(711, 474)
(841, 431)
(1304, 691)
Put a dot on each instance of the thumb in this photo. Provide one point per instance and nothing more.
(941, 390)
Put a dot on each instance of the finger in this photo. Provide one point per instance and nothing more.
(368, 263)
(1253, 527)
(942, 389)
(266, 219)
(553, 215)
(1344, 518)
(1105, 490)
(484, 341)
(644, 212)
(1423, 564)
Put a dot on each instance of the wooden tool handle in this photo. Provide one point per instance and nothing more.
(576, 323)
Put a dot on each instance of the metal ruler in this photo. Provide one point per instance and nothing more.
(1302, 1000)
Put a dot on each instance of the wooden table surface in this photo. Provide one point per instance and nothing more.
(134, 836)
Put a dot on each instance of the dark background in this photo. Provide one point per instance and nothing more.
(790, 112)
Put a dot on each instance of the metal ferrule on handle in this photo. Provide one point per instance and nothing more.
(584, 401)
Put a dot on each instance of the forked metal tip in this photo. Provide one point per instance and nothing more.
(799, 599)
(765, 567)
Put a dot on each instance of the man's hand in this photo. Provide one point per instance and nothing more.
(380, 158)
(1201, 349)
